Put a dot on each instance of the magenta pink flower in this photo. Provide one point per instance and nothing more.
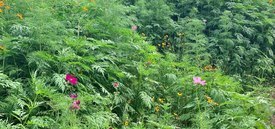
(134, 27)
(71, 79)
(73, 95)
(75, 105)
(77, 102)
(116, 84)
(197, 80)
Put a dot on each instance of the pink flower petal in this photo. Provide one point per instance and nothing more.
(68, 77)
(71, 79)
(134, 27)
(196, 80)
(73, 95)
(203, 82)
(115, 84)
(75, 106)
(76, 102)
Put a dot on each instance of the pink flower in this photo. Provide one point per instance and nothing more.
(71, 79)
(134, 27)
(203, 82)
(197, 80)
(116, 84)
(75, 105)
(73, 95)
(77, 102)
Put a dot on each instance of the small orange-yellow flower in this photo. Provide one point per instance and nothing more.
(215, 103)
(19, 15)
(210, 68)
(209, 100)
(1, 10)
(161, 100)
(85, 8)
(179, 94)
(2, 3)
(157, 109)
(2, 47)
(270, 1)
(126, 123)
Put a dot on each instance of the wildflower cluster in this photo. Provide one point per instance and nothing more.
(3, 6)
(165, 43)
(73, 81)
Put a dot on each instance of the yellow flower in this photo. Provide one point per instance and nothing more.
(161, 100)
(270, 1)
(20, 16)
(8, 7)
(126, 123)
(85, 8)
(1, 10)
(2, 47)
(157, 108)
(2, 3)
(179, 94)
(210, 68)
(153, 99)
(209, 100)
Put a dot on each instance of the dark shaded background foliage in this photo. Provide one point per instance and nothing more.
(237, 35)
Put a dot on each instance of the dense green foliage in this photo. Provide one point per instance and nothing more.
(236, 35)
(123, 81)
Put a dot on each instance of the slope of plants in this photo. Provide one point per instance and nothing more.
(78, 64)
(236, 35)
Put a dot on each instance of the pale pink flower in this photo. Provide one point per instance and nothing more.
(134, 27)
(73, 95)
(197, 80)
(116, 84)
(75, 105)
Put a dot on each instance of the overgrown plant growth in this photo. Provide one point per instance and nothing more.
(236, 35)
(88, 64)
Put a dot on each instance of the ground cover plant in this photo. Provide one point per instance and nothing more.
(90, 64)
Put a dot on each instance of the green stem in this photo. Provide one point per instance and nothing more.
(198, 102)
